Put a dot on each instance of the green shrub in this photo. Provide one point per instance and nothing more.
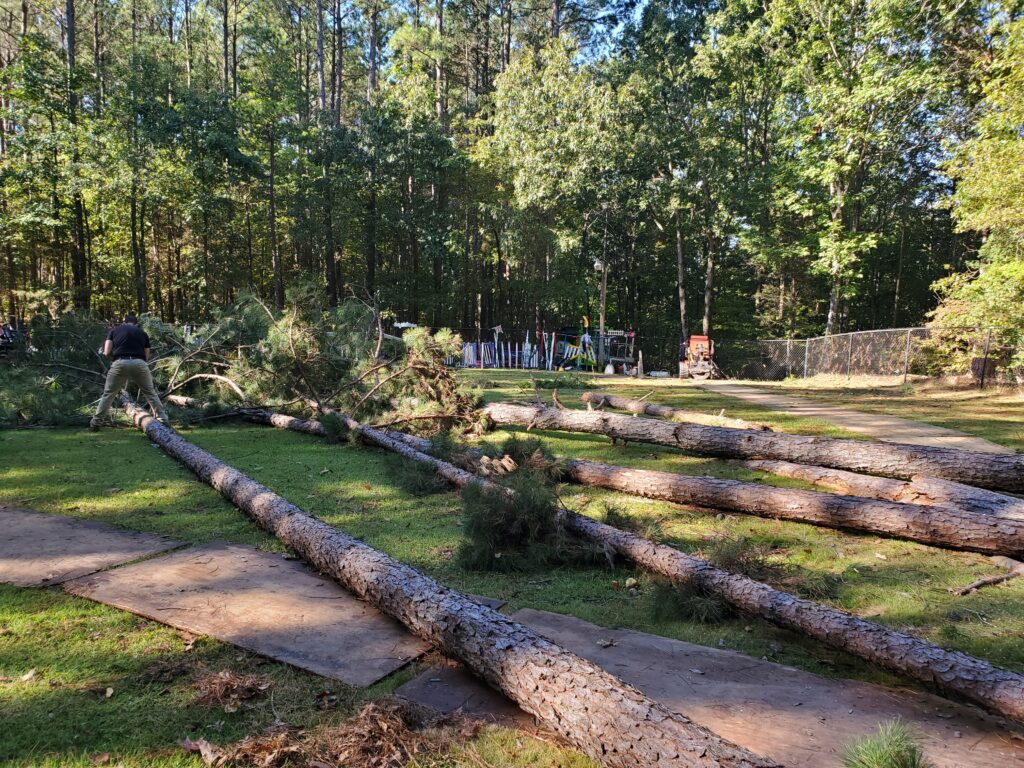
(687, 601)
(518, 531)
(739, 555)
(892, 747)
(418, 479)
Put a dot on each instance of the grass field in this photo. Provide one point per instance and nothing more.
(63, 716)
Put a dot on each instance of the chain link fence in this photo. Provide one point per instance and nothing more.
(899, 352)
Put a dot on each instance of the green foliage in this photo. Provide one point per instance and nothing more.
(786, 155)
(687, 601)
(421, 480)
(30, 397)
(516, 531)
(989, 197)
(532, 455)
(738, 554)
(893, 747)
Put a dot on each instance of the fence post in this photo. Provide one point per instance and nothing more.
(789, 357)
(984, 362)
(906, 357)
(807, 352)
(849, 356)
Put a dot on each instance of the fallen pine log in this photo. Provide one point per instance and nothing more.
(949, 672)
(930, 491)
(939, 526)
(640, 408)
(607, 719)
(942, 526)
(989, 470)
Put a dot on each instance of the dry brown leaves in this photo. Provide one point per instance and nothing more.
(389, 733)
(228, 689)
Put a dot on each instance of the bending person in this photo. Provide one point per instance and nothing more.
(129, 346)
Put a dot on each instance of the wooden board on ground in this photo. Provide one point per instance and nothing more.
(263, 602)
(449, 688)
(38, 550)
(797, 718)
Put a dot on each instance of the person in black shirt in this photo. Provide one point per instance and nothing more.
(129, 346)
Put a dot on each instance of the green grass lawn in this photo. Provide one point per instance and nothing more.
(62, 716)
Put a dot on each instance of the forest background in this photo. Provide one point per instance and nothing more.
(747, 168)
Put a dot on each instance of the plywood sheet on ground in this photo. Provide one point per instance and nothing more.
(37, 550)
(264, 602)
(450, 687)
(798, 718)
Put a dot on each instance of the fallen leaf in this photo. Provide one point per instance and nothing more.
(206, 750)
(28, 675)
(324, 471)
(880, 556)
(101, 759)
(109, 692)
(697, 671)
(607, 643)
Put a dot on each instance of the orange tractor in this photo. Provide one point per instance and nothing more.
(695, 359)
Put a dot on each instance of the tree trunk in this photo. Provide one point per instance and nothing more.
(681, 279)
(930, 491)
(79, 277)
(998, 471)
(950, 672)
(275, 247)
(709, 287)
(609, 720)
(938, 526)
(599, 399)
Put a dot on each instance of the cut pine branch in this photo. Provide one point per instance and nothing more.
(951, 673)
(610, 721)
(930, 491)
(598, 400)
(1014, 568)
(997, 471)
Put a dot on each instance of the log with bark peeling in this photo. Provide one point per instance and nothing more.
(929, 491)
(949, 672)
(641, 408)
(607, 719)
(988, 470)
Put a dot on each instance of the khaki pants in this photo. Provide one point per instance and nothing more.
(122, 373)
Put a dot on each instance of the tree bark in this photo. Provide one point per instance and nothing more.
(275, 247)
(950, 672)
(640, 408)
(997, 471)
(610, 721)
(81, 294)
(920, 489)
(938, 526)
(681, 279)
